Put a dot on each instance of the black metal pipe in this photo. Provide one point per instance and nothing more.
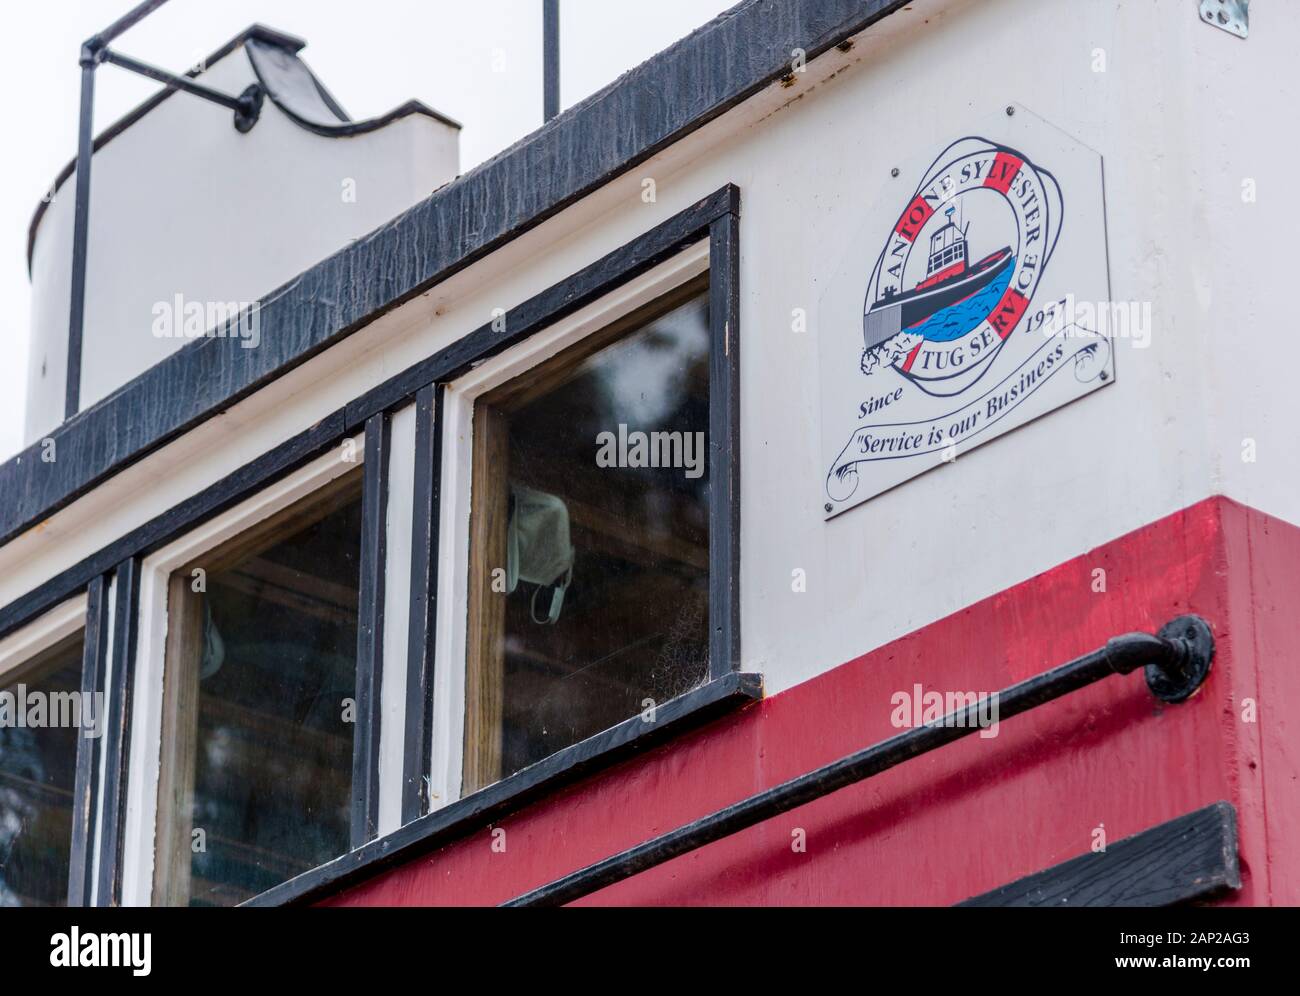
(550, 59)
(1180, 653)
(80, 236)
(132, 17)
(247, 107)
(237, 104)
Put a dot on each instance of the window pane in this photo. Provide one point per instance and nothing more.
(38, 765)
(591, 493)
(257, 784)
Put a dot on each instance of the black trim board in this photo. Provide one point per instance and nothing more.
(724, 444)
(641, 254)
(417, 748)
(1188, 859)
(94, 662)
(117, 735)
(370, 629)
(457, 819)
(647, 109)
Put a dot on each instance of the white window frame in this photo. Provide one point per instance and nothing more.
(451, 641)
(138, 847)
(41, 633)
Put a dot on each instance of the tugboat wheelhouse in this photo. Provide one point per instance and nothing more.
(374, 593)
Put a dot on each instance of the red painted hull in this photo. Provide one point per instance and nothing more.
(979, 813)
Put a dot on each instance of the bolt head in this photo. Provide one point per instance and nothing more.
(1198, 640)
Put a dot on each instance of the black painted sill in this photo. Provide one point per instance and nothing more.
(476, 811)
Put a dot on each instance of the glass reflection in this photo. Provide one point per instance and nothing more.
(38, 765)
(599, 471)
(268, 652)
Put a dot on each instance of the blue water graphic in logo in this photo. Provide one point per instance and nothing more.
(956, 320)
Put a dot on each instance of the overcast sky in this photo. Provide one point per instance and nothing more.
(372, 56)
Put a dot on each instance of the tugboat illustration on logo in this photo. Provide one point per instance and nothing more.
(949, 282)
(938, 318)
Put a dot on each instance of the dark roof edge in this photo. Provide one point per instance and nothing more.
(688, 85)
(271, 36)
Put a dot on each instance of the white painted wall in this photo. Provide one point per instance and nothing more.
(182, 203)
(1181, 115)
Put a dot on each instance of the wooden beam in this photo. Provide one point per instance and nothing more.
(485, 633)
(183, 658)
(1193, 857)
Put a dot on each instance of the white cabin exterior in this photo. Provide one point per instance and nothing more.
(1176, 479)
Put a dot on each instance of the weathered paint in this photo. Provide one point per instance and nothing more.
(981, 812)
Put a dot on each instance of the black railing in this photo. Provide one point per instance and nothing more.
(247, 106)
(1177, 660)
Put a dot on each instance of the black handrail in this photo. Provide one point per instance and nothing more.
(1177, 660)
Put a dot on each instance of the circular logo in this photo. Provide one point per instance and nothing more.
(960, 267)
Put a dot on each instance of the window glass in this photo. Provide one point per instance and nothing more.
(38, 764)
(590, 544)
(261, 670)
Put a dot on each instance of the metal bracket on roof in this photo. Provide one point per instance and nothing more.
(247, 106)
(1232, 16)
